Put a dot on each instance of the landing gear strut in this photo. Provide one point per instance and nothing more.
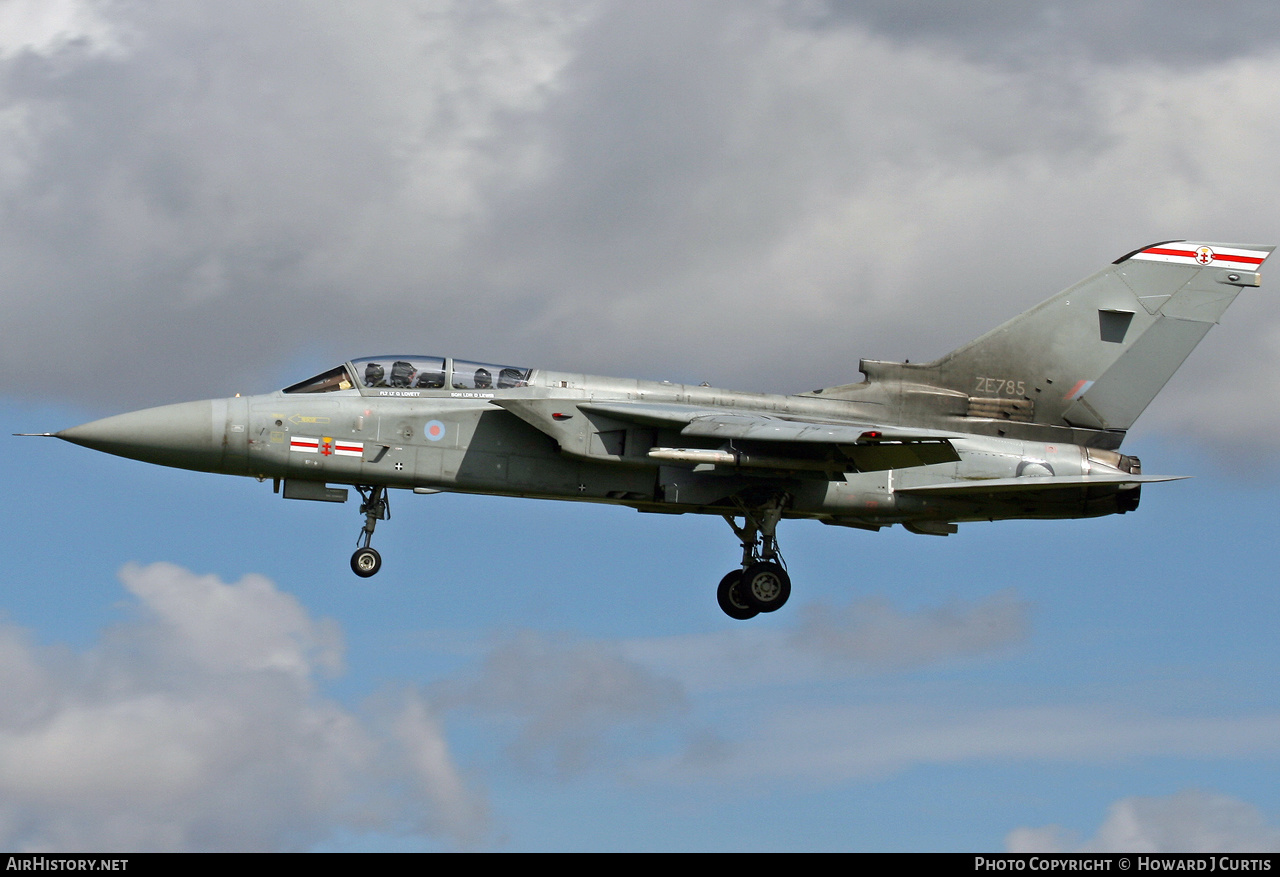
(762, 585)
(375, 507)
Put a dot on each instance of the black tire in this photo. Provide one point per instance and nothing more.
(765, 586)
(729, 596)
(365, 562)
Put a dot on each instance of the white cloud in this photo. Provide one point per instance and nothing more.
(47, 26)
(198, 726)
(205, 622)
(1189, 822)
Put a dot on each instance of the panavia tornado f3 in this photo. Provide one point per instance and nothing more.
(1024, 422)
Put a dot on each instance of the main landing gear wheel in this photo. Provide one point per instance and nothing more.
(729, 596)
(765, 586)
(762, 585)
(365, 562)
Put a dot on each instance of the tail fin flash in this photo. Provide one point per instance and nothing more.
(1094, 356)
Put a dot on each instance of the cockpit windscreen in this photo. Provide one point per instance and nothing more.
(328, 382)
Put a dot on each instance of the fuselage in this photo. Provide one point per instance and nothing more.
(441, 424)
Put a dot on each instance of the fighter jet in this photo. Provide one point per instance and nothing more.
(1024, 422)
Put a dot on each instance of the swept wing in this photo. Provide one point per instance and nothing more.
(748, 439)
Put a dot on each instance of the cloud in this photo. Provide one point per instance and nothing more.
(1190, 821)
(567, 700)
(1094, 30)
(827, 745)
(198, 726)
(204, 622)
(200, 197)
(568, 706)
(862, 640)
(52, 25)
(254, 171)
(872, 633)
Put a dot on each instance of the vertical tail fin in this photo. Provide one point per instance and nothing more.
(1096, 354)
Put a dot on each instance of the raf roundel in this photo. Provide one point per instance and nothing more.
(434, 430)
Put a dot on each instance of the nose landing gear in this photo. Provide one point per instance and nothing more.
(762, 585)
(375, 507)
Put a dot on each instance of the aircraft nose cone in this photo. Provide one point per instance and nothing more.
(186, 435)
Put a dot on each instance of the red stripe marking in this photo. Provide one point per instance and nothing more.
(1217, 257)
(1164, 251)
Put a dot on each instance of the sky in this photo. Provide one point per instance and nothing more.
(199, 199)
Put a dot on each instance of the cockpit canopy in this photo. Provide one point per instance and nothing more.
(414, 373)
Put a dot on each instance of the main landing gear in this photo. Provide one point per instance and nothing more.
(762, 585)
(375, 507)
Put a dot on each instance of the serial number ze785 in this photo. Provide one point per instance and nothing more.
(1000, 386)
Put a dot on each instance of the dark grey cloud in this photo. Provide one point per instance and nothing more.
(1176, 34)
(203, 199)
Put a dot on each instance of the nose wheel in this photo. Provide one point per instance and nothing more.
(365, 562)
(762, 585)
(375, 507)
